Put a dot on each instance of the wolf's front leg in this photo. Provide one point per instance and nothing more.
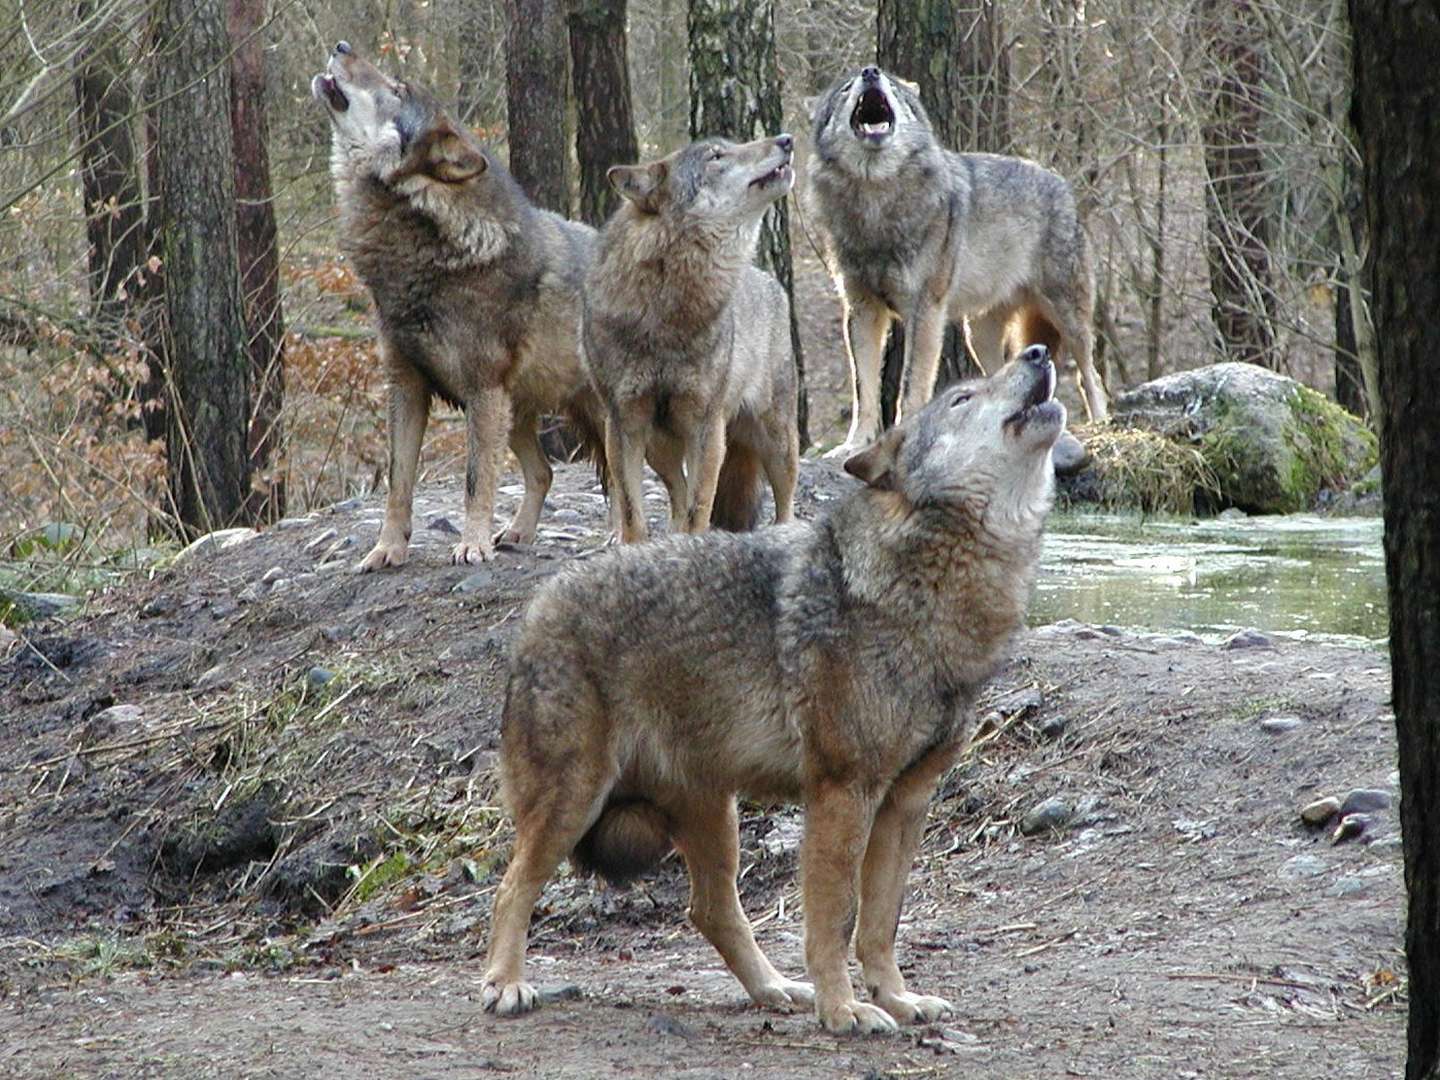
(409, 410)
(627, 426)
(867, 324)
(924, 338)
(487, 422)
(837, 823)
(704, 454)
(888, 857)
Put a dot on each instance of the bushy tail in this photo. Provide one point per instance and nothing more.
(586, 441)
(737, 492)
(630, 836)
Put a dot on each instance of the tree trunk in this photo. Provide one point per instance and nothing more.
(1237, 204)
(1396, 85)
(535, 85)
(259, 257)
(735, 92)
(110, 181)
(956, 53)
(1349, 383)
(605, 130)
(670, 127)
(207, 364)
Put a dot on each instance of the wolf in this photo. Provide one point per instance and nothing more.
(832, 663)
(925, 235)
(477, 293)
(687, 343)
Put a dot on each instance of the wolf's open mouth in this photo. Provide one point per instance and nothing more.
(334, 96)
(873, 117)
(780, 172)
(1039, 401)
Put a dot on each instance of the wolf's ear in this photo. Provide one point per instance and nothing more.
(640, 184)
(453, 160)
(913, 87)
(876, 463)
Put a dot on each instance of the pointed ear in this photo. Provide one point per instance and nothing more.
(913, 87)
(453, 159)
(640, 184)
(876, 463)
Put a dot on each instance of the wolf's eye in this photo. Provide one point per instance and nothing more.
(716, 154)
(960, 399)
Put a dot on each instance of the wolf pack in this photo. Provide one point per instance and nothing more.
(832, 663)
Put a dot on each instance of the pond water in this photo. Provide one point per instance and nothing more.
(1289, 575)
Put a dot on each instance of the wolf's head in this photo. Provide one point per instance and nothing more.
(981, 447)
(711, 183)
(869, 124)
(397, 134)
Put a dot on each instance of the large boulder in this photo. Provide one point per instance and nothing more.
(1271, 444)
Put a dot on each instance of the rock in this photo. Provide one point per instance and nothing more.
(1052, 727)
(272, 575)
(567, 516)
(1232, 513)
(8, 638)
(213, 543)
(442, 524)
(30, 606)
(1247, 639)
(1271, 443)
(318, 676)
(1054, 813)
(480, 579)
(334, 551)
(347, 505)
(1351, 826)
(116, 715)
(285, 524)
(1025, 700)
(784, 836)
(561, 993)
(1279, 725)
(1302, 866)
(1320, 811)
(320, 540)
(660, 1024)
(1069, 455)
(1365, 801)
(1348, 887)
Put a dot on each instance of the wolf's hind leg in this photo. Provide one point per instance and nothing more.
(667, 458)
(888, 856)
(525, 445)
(708, 838)
(867, 325)
(781, 462)
(924, 338)
(704, 454)
(487, 422)
(409, 410)
(627, 429)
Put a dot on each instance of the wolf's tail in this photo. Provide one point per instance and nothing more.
(588, 438)
(737, 492)
(630, 836)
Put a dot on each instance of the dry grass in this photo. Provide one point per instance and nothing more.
(1140, 470)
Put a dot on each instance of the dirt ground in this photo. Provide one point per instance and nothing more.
(248, 828)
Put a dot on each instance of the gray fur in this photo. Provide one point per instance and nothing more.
(687, 343)
(832, 664)
(926, 235)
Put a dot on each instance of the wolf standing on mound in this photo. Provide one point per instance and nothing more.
(477, 293)
(688, 344)
(927, 235)
(833, 664)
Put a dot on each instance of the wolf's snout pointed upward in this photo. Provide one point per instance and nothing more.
(928, 236)
(833, 664)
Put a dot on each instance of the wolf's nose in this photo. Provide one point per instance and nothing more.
(785, 142)
(342, 48)
(1036, 354)
(870, 74)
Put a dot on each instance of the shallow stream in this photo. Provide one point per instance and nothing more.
(1291, 575)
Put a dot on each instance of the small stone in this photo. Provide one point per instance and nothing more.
(561, 993)
(567, 516)
(1025, 700)
(1365, 801)
(37, 605)
(334, 566)
(286, 524)
(272, 575)
(481, 579)
(1348, 887)
(213, 543)
(1320, 811)
(1069, 455)
(8, 638)
(334, 550)
(320, 540)
(1054, 813)
(1231, 513)
(784, 836)
(1351, 826)
(1052, 727)
(442, 524)
(1302, 866)
(660, 1024)
(1278, 725)
(318, 676)
(116, 715)
(349, 504)
(1247, 639)
(158, 606)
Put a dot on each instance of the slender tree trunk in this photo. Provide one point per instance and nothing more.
(1156, 330)
(735, 92)
(259, 256)
(605, 130)
(1396, 86)
(1349, 383)
(110, 180)
(1237, 201)
(956, 54)
(671, 125)
(536, 78)
(205, 342)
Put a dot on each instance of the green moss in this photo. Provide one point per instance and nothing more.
(1324, 439)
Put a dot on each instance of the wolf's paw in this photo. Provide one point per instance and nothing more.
(384, 553)
(509, 999)
(785, 995)
(856, 1018)
(472, 552)
(513, 535)
(910, 1008)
